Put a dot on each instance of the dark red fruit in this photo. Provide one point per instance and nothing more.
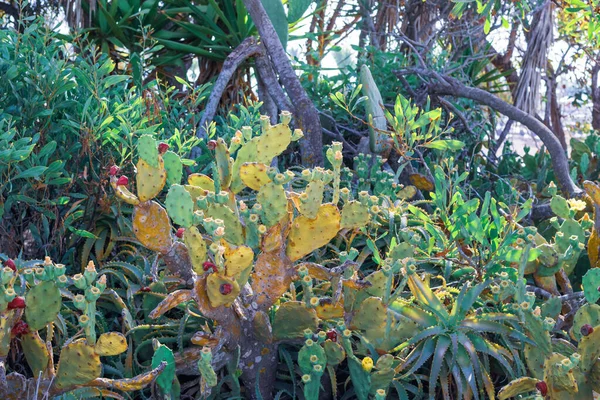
(226, 288)
(20, 328)
(542, 387)
(586, 329)
(212, 144)
(598, 288)
(163, 147)
(10, 264)
(123, 181)
(145, 289)
(17, 302)
(114, 170)
(180, 232)
(208, 266)
(332, 335)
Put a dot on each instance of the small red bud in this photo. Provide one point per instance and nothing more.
(180, 232)
(163, 147)
(207, 265)
(586, 329)
(212, 144)
(145, 289)
(598, 288)
(17, 302)
(114, 170)
(226, 288)
(123, 181)
(542, 387)
(20, 328)
(10, 264)
(332, 335)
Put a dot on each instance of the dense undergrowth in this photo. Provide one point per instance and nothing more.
(132, 271)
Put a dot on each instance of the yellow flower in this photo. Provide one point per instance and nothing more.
(367, 364)
(576, 204)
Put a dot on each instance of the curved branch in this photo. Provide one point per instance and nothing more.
(248, 48)
(446, 85)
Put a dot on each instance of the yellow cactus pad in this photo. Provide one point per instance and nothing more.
(328, 310)
(271, 277)
(36, 352)
(254, 175)
(79, 364)
(152, 227)
(237, 260)
(355, 215)
(272, 143)
(123, 193)
(421, 182)
(171, 301)
(201, 181)
(516, 387)
(195, 191)
(307, 235)
(111, 344)
(149, 180)
(292, 319)
(196, 247)
(221, 290)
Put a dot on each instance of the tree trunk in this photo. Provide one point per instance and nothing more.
(307, 116)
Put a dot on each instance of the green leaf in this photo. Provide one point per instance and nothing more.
(276, 13)
(296, 9)
(451, 144)
(33, 172)
(114, 79)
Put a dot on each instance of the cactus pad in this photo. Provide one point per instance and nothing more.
(307, 235)
(214, 289)
(173, 167)
(273, 200)
(152, 227)
(43, 305)
(111, 344)
(588, 314)
(292, 318)
(196, 247)
(233, 227)
(254, 175)
(516, 387)
(237, 260)
(35, 352)
(224, 164)
(272, 143)
(590, 283)
(271, 277)
(335, 352)
(202, 181)
(78, 364)
(355, 215)
(180, 206)
(147, 149)
(246, 154)
(123, 193)
(165, 379)
(311, 199)
(150, 180)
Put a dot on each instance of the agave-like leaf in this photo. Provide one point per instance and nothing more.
(420, 317)
(426, 352)
(443, 343)
(427, 298)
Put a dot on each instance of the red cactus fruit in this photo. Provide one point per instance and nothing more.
(20, 328)
(17, 302)
(332, 335)
(145, 289)
(114, 170)
(10, 264)
(542, 387)
(226, 288)
(180, 232)
(163, 147)
(123, 181)
(586, 329)
(212, 144)
(208, 266)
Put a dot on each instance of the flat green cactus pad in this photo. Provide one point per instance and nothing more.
(35, 352)
(173, 167)
(147, 149)
(292, 318)
(79, 364)
(43, 305)
(180, 206)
